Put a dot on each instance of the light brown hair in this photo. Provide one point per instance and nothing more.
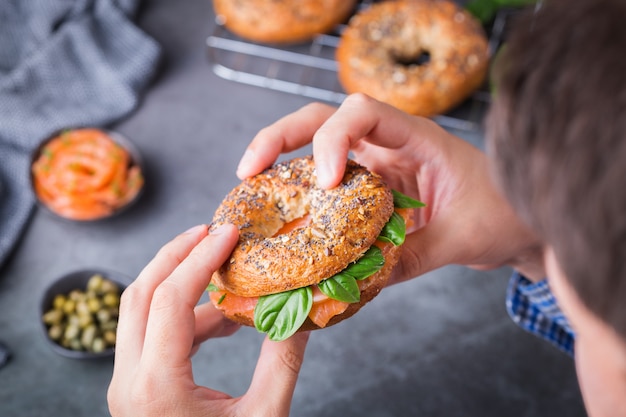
(557, 135)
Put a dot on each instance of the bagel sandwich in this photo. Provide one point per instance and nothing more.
(307, 258)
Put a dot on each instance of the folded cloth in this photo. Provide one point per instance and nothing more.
(63, 63)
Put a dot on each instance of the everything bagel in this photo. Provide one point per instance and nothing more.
(421, 56)
(282, 21)
(325, 249)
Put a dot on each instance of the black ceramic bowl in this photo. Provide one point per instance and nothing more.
(64, 285)
(135, 160)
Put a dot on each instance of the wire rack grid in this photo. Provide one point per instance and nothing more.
(310, 70)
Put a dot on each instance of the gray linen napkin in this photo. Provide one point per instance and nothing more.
(63, 63)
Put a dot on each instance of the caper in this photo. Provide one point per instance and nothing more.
(69, 306)
(58, 302)
(111, 299)
(88, 336)
(109, 337)
(55, 332)
(95, 283)
(75, 295)
(71, 332)
(109, 286)
(82, 307)
(98, 345)
(73, 320)
(53, 317)
(103, 316)
(94, 304)
(85, 320)
(75, 344)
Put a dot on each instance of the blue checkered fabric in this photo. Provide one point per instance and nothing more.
(534, 308)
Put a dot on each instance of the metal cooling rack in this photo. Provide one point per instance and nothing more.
(310, 69)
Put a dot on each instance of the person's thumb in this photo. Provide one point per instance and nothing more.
(277, 372)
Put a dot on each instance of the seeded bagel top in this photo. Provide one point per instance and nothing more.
(344, 222)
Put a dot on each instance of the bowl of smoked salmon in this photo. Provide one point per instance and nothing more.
(86, 174)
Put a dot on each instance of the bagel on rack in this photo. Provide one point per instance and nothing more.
(305, 247)
(421, 56)
(282, 21)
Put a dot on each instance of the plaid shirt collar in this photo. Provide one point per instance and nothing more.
(533, 307)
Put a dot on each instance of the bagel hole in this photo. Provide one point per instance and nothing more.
(294, 224)
(422, 58)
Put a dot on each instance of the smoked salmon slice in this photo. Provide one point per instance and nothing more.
(84, 174)
(325, 308)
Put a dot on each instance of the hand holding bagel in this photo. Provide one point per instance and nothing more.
(160, 327)
(418, 158)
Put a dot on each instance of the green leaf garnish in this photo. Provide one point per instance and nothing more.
(404, 201)
(212, 288)
(394, 231)
(485, 10)
(368, 264)
(281, 315)
(342, 287)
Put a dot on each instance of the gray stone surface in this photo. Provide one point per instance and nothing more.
(440, 345)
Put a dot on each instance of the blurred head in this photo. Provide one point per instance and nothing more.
(556, 135)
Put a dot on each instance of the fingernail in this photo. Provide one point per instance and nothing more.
(246, 159)
(194, 229)
(324, 174)
(218, 230)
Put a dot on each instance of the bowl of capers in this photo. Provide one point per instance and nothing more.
(79, 313)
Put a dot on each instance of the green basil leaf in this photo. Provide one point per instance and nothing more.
(368, 264)
(212, 288)
(281, 315)
(394, 231)
(404, 201)
(341, 287)
(485, 10)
